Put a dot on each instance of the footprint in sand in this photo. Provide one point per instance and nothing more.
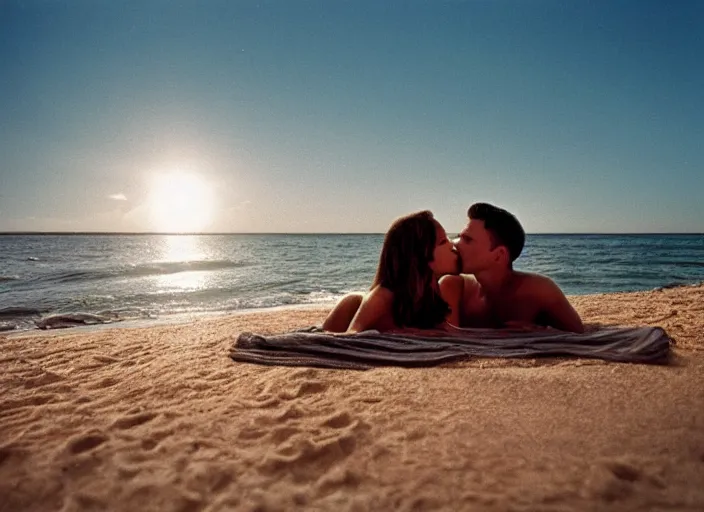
(307, 381)
(283, 434)
(82, 501)
(133, 420)
(264, 399)
(263, 403)
(630, 473)
(155, 437)
(251, 433)
(615, 480)
(624, 471)
(303, 455)
(304, 452)
(127, 472)
(32, 401)
(338, 420)
(106, 359)
(107, 382)
(270, 426)
(290, 412)
(344, 421)
(336, 478)
(219, 375)
(262, 425)
(11, 450)
(304, 374)
(307, 387)
(5, 453)
(85, 442)
(209, 477)
(44, 379)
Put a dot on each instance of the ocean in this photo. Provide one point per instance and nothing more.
(163, 276)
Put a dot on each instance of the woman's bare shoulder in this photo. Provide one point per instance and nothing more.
(375, 311)
(451, 287)
(381, 294)
(459, 284)
(471, 285)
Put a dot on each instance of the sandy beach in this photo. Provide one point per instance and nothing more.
(160, 418)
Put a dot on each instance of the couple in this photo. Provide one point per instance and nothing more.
(424, 281)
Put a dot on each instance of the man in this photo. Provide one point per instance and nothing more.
(496, 295)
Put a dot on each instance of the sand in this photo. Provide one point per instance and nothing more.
(160, 418)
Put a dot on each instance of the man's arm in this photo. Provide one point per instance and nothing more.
(555, 307)
(451, 289)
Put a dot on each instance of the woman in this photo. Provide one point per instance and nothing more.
(405, 293)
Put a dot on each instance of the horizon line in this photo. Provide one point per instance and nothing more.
(220, 233)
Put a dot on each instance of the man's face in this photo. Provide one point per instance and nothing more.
(475, 248)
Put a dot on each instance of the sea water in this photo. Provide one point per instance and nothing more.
(150, 276)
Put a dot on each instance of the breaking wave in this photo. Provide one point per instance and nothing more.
(156, 268)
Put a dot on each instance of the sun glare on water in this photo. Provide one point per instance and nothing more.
(180, 202)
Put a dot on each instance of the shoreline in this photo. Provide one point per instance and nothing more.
(192, 317)
(165, 320)
(159, 418)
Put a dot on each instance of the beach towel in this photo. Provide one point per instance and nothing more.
(368, 349)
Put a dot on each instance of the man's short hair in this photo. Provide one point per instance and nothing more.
(502, 225)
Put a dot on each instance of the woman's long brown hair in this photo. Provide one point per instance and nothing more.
(404, 268)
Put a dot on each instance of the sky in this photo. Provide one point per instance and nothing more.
(340, 116)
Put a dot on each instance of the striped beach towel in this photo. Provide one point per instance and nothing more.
(369, 349)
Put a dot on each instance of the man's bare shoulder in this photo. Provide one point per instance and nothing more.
(536, 285)
(531, 278)
(554, 309)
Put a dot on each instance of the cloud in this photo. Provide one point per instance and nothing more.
(118, 197)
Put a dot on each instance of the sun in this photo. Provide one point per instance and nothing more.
(180, 202)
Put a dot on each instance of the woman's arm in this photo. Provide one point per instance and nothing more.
(451, 289)
(374, 311)
(340, 318)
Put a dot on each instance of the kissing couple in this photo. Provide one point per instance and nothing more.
(425, 281)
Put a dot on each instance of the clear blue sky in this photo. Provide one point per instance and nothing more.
(338, 116)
